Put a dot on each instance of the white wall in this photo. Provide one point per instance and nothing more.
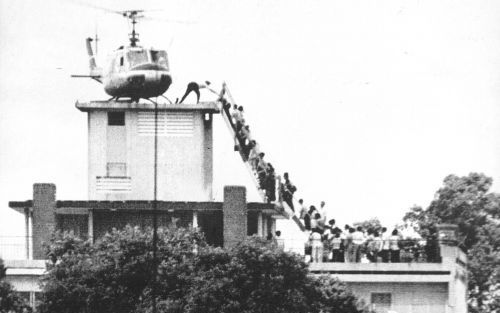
(184, 163)
(407, 297)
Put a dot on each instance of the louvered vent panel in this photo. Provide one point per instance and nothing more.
(171, 124)
(113, 184)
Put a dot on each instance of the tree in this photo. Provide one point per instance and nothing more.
(467, 202)
(372, 223)
(255, 277)
(10, 302)
(116, 275)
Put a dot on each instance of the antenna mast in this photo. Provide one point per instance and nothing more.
(133, 37)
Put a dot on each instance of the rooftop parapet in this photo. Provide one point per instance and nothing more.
(204, 107)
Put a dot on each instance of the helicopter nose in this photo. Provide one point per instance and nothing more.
(137, 79)
(166, 80)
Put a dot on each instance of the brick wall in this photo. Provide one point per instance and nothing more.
(406, 297)
(44, 217)
(234, 215)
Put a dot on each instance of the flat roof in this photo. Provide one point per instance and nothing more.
(82, 206)
(386, 272)
(112, 105)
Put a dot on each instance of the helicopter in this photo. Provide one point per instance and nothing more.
(132, 71)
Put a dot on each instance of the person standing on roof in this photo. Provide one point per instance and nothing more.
(322, 211)
(394, 246)
(337, 255)
(331, 223)
(376, 246)
(317, 247)
(384, 253)
(314, 221)
(358, 239)
(350, 250)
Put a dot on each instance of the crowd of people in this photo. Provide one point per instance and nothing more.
(329, 243)
(251, 153)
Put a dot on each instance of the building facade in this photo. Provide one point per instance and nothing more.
(419, 286)
(121, 190)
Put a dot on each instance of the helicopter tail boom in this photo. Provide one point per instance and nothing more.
(94, 77)
(95, 72)
(92, 62)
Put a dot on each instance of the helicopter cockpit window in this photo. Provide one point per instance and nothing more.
(159, 57)
(137, 57)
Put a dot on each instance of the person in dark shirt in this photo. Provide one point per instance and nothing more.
(307, 218)
(192, 87)
(270, 183)
(288, 191)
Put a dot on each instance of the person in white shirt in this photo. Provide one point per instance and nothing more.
(245, 134)
(315, 221)
(322, 211)
(303, 209)
(375, 247)
(350, 250)
(358, 239)
(253, 156)
(317, 247)
(235, 114)
(394, 246)
(384, 253)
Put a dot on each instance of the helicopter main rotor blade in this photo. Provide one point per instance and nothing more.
(148, 18)
(93, 6)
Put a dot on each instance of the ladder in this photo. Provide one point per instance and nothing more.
(231, 127)
(281, 205)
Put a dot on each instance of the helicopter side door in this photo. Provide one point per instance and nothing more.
(115, 80)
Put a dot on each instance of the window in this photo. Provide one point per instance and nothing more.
(115, 169)
(381, 302)
(159, 57)
(121, 61)
(116, 118)
(137, 57)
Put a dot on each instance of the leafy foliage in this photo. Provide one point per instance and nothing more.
(467, 202)
(372, 223)
(116, 275)
(255, 277)
(10, 302)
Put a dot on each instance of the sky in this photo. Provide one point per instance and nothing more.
(368, 105)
